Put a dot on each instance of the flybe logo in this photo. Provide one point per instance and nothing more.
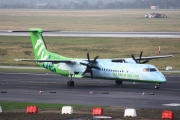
(40, 53)
(49, 66)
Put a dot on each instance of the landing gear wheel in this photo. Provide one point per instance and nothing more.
(118, 82)
(70, 83)
(157, 86)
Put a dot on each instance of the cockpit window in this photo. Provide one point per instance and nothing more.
(152, 70)
(149, 70)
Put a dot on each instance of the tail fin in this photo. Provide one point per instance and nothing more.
(39, 46)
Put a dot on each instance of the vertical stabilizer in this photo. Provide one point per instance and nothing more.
(39, 47)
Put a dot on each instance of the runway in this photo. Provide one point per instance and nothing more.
(98, 34)
(25, 87)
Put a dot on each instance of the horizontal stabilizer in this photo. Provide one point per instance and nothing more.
(34, 30)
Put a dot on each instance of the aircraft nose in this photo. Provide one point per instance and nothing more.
(162, 78)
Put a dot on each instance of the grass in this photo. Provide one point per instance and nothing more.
(90, 20)
(16, 47)
(23, 105)
(81, 112)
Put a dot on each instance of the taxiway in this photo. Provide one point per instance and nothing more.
(25, 87)
(97, 34)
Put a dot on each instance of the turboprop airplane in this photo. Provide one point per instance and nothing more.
(120, 69)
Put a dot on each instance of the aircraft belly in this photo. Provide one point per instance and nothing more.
(63, 66)
(72, 68)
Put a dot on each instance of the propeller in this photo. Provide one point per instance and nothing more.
(139, 60)
(90, 65)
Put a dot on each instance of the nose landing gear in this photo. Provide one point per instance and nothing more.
(157, 86)
(118, 82)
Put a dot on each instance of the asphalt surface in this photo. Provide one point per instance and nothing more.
(26, 86)
(98, 34)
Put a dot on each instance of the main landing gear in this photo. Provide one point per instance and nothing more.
(157, 86)
(118, 82)
(71, 82)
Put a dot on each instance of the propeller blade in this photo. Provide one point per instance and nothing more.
(140, 56)
(85, 71)
(88, 57)
(139, 60)
(91, 73)
(90, 65)
(95, 67)
(134, 59)
(95, 59)
(83, 63)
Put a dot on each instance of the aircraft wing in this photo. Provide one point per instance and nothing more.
(154, 57)
(53, 61)
(125, 60)
(142, 58)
